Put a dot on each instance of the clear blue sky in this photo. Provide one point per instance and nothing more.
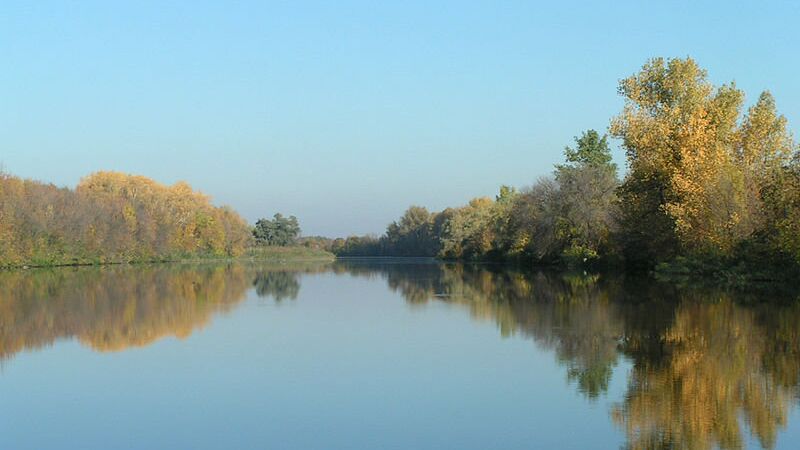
(344, 113)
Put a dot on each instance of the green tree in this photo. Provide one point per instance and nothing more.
(413, 234)
(591, 150)
(586, 200)
(278, 231)
(468, 232)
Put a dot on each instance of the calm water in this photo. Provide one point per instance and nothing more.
(412, 355)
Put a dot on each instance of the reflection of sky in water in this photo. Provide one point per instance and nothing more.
(347, 363)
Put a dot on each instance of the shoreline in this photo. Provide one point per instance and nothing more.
(276, 254)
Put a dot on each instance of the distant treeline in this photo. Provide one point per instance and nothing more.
(112, 217)
(707, 186)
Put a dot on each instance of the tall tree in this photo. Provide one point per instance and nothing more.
(763, 152)
(682, 192)
(699, 173)
(587, 198)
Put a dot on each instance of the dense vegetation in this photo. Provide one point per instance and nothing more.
(707, 187)
(112, 217)
(278, 231)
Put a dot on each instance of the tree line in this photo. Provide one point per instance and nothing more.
(112, 217)
(116, 217)
(708, 185)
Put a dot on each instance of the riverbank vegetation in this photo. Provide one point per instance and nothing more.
(112, 217)
(280, 230)
(287, 253)
(710, 187)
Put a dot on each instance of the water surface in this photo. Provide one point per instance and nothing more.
(390, 354)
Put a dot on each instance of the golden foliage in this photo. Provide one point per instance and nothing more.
(113, 308)
(687, 147)
(706, 369)
(112, 216)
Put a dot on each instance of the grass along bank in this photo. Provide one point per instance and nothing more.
(286, 253)
(268, 254)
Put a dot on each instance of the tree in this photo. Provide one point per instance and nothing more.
(698, 172)
(586, 200)
(534, 219)
(782, 204)
(591, 150)
(278, 231)
(682, 192)
(503, 243)
(413, 234)
(763, 153)
(468, 232)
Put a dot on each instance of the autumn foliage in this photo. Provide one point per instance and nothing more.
(700, 171)
(112, 217)
(710, 186)
(709, 181)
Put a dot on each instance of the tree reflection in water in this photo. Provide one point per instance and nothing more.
(115, 307)
(707, 364)
(277, 284)
(112, 308)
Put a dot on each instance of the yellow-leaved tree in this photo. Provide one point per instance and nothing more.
(698, 170)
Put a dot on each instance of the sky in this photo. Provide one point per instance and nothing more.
(345, 113)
